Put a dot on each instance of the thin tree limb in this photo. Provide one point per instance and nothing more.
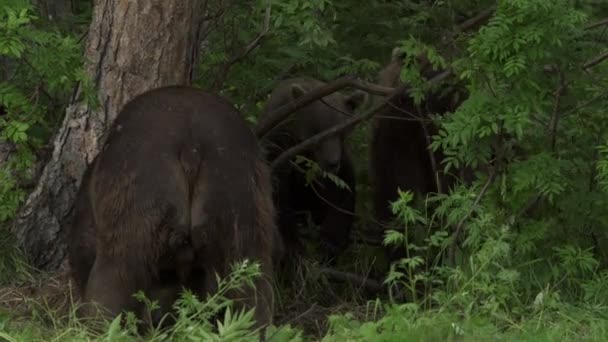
(372, 88)
(587, 65)
(452, 250)
(256, 41)
(475, 21)
(595, 60)
(596, 24)
(246, 50)
(561, 87)
(280, 114)
(286, 155)
(429, 150)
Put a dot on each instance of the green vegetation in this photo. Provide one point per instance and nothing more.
(532, 228)
(39, 66)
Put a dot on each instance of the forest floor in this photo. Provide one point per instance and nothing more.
(40, 308)
(47, 301)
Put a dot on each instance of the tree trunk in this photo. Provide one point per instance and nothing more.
(132, 46)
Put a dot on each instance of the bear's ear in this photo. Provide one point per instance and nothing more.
(355, 100)
(297, 90)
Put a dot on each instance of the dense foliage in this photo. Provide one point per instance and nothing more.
(39, 65)
(531, 229)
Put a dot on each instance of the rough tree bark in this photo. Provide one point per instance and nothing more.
(132, 46)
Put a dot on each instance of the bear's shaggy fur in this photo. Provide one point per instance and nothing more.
(330, 206)
(178, 192)
(399, 148)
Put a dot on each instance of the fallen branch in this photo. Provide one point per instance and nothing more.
(280, 114)
(286, 155)
(355, 279)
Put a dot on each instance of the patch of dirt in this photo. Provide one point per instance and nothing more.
(51, 292)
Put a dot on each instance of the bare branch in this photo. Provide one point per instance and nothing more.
(277, 116)
(435, 169)
(596, 24)
(476, 21)
(595, 60)
(551, 68)
(583, 105)
(256, 41)
(280, 114)
(286, 155)
(374, 89)
(246, 50)
(561, 87)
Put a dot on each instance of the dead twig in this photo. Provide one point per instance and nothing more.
(561, 87)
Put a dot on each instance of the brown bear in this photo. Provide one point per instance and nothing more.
(399, 147)
(330, 206)
(173, 271)
(179, 165)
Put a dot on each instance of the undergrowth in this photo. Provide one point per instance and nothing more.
(519, 254)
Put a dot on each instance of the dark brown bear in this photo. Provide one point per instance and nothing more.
(178, 162)
(400, 143)
(82, 250)
(330, 206)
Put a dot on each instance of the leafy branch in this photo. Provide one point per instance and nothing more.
(223, 74)
(460, 225)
